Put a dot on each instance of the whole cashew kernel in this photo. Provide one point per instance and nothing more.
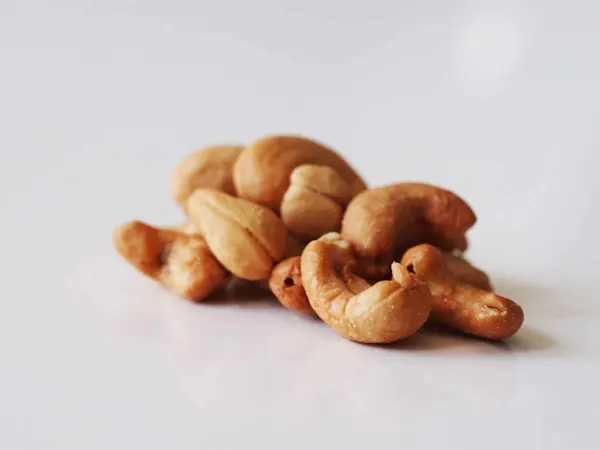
(286, 284)
(262, 172)
(382, 223)
(248, 239)
(465, 271)
(315, 202)
(382, 313)
(180, 262)
(211, 167)
(459, 304)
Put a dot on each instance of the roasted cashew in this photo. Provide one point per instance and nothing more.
(211, 167)
(248, 239)
(382, 223)
(293, 247)
(465, 271)
(187, 227)
(180, 262)
(285, 283)
(382, 313)
(315, 201)
(263, 170)
(459, 304)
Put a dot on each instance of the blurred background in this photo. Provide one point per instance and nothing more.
(496, 100)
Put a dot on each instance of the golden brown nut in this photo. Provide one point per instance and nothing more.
(286, 284)
(465, 271)
(187, 227)
(458, 304)
(382, 313)
(248, 239)
(180, 262)
(262, 172)
(211, 167)
(315, 201)
(382, 223)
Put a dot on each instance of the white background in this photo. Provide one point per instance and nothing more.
(497, 100)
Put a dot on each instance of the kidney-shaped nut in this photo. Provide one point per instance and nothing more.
(248, 239)
(211, 167)
(315, 201)
(465, 271)
(382, 313)
(459, 304)
(180, 262)
(382, 223)
(262, 172)
(285, 283)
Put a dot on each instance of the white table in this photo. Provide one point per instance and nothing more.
(498, 101)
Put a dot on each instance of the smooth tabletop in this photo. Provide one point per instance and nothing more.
(497, 101)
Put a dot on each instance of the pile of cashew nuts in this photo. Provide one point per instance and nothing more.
(291, 214)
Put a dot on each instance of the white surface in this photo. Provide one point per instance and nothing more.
(496, 100)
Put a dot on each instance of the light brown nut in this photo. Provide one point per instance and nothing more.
(286, 284)
(211, 167)
(382, 313)
(315, 201)
(465, 271)
(187, 227)
(248, 239)
(262, 172)
(182, 263)
(382, 223)
(459, 304)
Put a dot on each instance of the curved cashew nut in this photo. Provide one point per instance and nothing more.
(286, 280)
(211, 167)
(263, 170)
(182, 263)
(246, 238)
(382, 223)
(466, 272)
(315, 202)
(286, 284)
(382, 313)
(461, 305)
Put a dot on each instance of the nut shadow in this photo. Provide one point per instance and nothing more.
(529, 339)
(242, 294)
(436, 338)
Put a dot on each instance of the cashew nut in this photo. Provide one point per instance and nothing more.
(465, 271)
(382, 223)
(286, 284)
(187, 227)
(315, 201)
(182, 263)
(385, 312)
(263, 170)
(286, 280)
(211, 167)
(248, 239)
(459, 304)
